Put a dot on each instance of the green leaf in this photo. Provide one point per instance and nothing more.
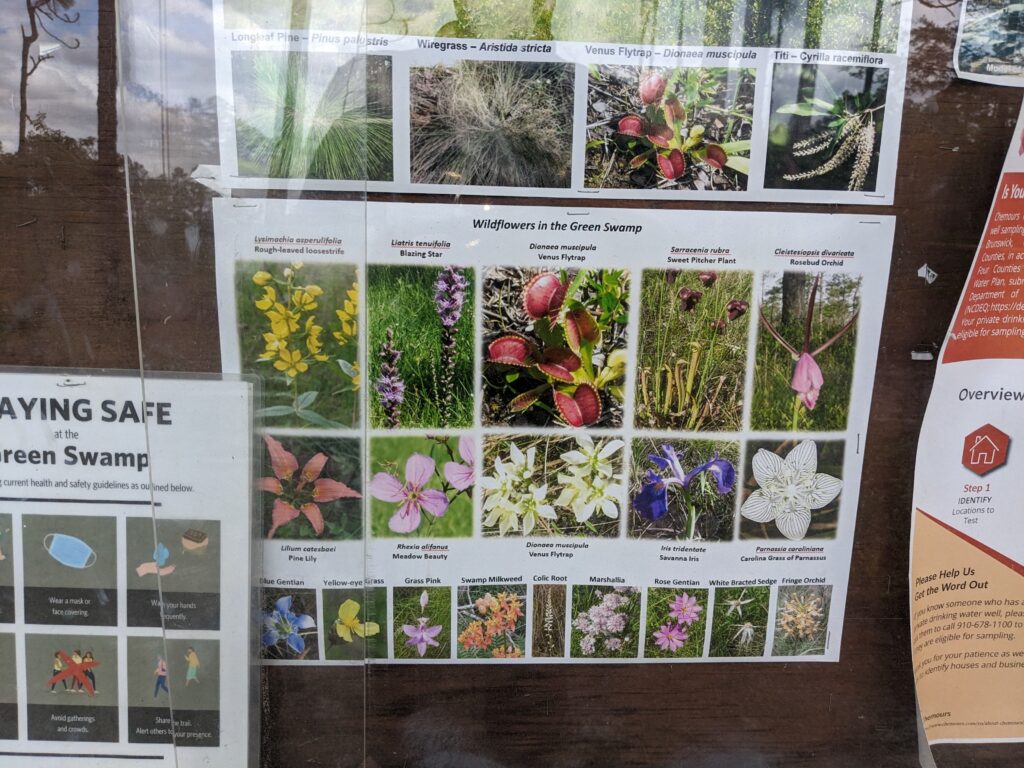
(826, 105)
(315, 418)
(274, 410)
(731, 147)
(512, 376)
(305, 399)
(346, 366)
(803, 109)
(594, 143)
(739, 164)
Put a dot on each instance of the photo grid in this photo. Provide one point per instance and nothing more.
(783, 106)
(548, 410)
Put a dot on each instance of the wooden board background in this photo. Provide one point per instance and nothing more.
(66, 299)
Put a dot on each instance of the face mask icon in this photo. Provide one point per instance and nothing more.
(69, 550)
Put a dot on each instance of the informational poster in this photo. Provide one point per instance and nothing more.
(124, 570)
(560, 435)
(967, 555)
(755, 100)
(988, 42)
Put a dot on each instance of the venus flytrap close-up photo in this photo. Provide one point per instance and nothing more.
(555, 347)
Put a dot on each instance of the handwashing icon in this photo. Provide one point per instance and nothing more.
(69, 550)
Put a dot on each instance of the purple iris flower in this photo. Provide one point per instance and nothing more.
(652, 501)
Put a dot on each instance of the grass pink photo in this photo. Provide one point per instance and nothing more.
(422, 622)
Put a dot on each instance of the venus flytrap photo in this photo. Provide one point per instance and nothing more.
(298, 329)
(552, 486)
(686, 128)
(555, 347)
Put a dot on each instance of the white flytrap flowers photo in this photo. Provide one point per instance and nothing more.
(789, 490)
(553, 486)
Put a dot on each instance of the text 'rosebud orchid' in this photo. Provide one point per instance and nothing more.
(411, 496)
(302, 494)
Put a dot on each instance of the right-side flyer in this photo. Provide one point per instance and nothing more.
(966, 572)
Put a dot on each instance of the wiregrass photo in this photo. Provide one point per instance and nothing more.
(491, 622)
(825, 130)
(552, 486)
(422, 486)
(313, 115)
(298, 331)
(554, 346)
(676, 623)
(492, 123)
(740, 621)
(421, 345)
(668, 129)
(692, 356)
(683, 489)
(806, 350)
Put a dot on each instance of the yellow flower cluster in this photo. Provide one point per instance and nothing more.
(348, 316)
(293, 341)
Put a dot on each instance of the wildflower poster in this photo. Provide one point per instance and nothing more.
(579, 435)
(726, 101)
(124, 565)
(967, 558)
